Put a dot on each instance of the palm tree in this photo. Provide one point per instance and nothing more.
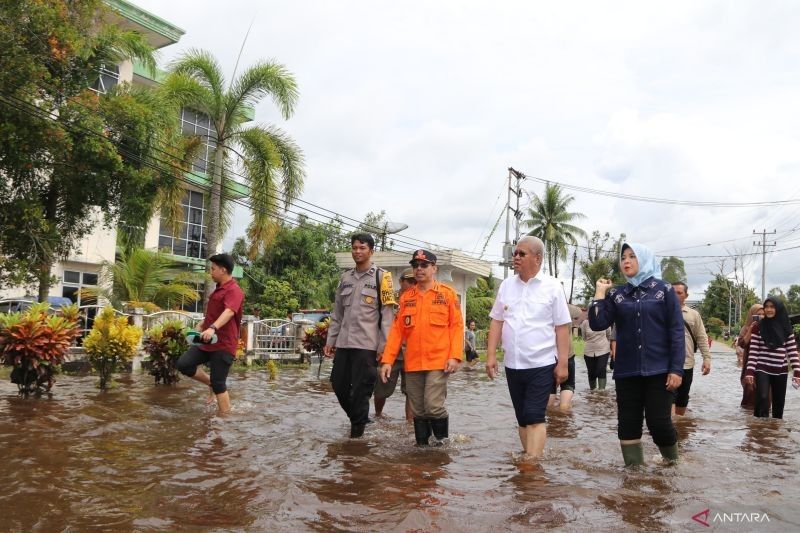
(146, 279)
(550, 221)
(268, 160)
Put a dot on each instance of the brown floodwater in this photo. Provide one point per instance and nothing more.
(146, 458)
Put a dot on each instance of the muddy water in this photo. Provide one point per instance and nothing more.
(155, 458)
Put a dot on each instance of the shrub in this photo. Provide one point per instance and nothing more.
(165, 343)
(111, 342)
(35, 342)
(316, 336)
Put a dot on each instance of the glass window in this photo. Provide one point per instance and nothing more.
(71, 276)
(189, 237)
(107, 78)
(89, 278)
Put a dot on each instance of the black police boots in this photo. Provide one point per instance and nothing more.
(440, 428)
(422, 431)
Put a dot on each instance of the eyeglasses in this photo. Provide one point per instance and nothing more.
(519, 253)
(420, 264)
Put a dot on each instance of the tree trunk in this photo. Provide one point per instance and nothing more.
(214, 211)
(51, 206)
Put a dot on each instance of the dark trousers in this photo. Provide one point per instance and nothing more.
(219, 363)
(645, 397)
(596, 367)
(353, 379)
(764, 384)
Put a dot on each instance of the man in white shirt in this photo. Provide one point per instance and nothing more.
(531, 314)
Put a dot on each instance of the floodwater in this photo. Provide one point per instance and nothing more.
(147, 458)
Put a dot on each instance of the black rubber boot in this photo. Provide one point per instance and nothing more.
(440, 428)
(601, 383)
(592, 384)
(356, 431)
(422, 431)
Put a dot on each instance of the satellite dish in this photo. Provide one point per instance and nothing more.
(393, 227)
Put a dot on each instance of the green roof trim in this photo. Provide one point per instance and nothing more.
(140, 70)
(146, 19)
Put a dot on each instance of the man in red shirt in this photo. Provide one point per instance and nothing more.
(223, 318)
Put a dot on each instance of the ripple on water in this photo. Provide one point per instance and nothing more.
(147, 457)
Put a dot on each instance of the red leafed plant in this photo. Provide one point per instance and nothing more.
(35, 342)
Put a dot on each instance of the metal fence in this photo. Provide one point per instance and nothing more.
(275, 338)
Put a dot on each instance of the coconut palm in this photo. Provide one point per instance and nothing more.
(268, 160)
(146, 279)
(551, 221)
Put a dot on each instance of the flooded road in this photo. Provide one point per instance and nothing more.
(146, 458)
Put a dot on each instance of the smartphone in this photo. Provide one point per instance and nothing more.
(756, 318)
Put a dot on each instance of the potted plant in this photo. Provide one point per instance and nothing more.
(165, 343)
(35, 342)
(111, 342)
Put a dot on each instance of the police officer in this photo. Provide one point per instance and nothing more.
(360, 322)
(429, 321)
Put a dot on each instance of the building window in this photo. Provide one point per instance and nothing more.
(190, 238)
(74, 281)
(108, 78)
(198, 124)
(197, 306)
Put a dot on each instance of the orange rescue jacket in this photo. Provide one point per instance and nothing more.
(431, 325)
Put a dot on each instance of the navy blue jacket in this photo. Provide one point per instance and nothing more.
(650, 330)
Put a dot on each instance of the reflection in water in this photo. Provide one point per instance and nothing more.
(141, 457)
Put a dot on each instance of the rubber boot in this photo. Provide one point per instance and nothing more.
(592, 384)
(601, 383)
(670, 453)
(633, 454)
(356, 431)
(422, 431)
(440, 428)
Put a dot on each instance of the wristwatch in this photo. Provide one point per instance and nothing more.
(212, 326)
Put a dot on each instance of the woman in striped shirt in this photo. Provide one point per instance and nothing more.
(771, 344)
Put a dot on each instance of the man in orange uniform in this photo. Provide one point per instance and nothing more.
(429, 321)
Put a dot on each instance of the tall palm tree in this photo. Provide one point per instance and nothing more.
(267, 158)
(550, 220)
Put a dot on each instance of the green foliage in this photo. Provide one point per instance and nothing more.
(298, 271)
(673, 270)
(601, 262)
(719, 296)
(550, 220)
(146, 279)
(67, 153)
(793, 299)
(35, 342)
(111, 342)
(165, 343)
(715, 326)
(480, 300)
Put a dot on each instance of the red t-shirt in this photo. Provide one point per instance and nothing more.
(226, 296)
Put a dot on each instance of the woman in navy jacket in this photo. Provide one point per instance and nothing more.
(650, 351)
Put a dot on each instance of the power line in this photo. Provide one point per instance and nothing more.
(692, 203)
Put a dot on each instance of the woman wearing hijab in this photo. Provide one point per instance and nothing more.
(771, 344)
(755, 314)
(650, 352)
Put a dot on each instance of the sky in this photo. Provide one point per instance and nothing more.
(419, 109)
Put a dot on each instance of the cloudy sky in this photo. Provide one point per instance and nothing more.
(419, 108)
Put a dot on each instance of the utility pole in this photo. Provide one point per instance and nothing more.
(763, 243)
(574, 260)
(508, 245)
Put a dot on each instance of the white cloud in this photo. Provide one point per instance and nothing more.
(419, 108)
